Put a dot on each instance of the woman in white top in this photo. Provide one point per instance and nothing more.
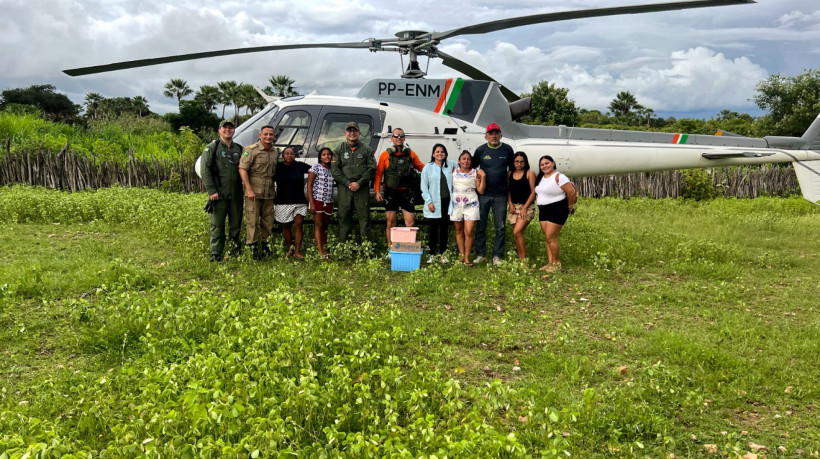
(555, 196)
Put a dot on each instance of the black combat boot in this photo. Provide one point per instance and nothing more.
(264, 249)
(255, 253)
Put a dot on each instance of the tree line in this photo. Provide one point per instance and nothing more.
(791, 103)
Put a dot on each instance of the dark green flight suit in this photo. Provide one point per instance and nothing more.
(353, 164)
(231, 195)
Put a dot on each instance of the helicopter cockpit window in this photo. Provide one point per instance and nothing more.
(292, 131)
(332, 133)
(250, 134)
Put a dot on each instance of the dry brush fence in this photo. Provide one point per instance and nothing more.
(68, 170)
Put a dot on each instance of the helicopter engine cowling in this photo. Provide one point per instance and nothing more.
(521, 108)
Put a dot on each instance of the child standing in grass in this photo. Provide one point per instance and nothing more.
(320, 198)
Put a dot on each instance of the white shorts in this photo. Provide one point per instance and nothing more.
(286, 213)
(468, 211)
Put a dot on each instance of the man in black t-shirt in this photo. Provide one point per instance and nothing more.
(494, 159)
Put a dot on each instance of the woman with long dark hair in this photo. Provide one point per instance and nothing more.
(555, 196)
(436, 189)
(520, 197)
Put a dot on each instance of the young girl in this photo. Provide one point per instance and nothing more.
(320, 198)
(520, 197)
(467, 182)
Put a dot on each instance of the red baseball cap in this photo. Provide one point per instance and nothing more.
(493, 127)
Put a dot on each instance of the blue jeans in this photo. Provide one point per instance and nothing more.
(498, 204)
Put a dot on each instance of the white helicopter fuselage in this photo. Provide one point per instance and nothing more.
(455, 113)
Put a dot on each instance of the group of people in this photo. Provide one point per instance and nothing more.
(493, 180)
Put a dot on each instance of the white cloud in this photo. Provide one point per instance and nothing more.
(694, 60)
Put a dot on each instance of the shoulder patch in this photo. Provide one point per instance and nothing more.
(245, 153)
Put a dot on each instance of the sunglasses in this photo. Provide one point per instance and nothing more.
(398, 136)
(351, 129)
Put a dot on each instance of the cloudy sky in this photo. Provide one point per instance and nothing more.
(682, 63)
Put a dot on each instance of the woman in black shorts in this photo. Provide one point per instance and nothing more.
(555, 196)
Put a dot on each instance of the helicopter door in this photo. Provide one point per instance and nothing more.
(293, 129)
(331, 132)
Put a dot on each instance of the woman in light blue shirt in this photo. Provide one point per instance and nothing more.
(436, 189)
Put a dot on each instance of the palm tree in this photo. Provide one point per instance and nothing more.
(645, 113)
(140, 104)
(92, 104)
(281, 85)
(209, 96)
(230, 96)
(178, 88)
(250, 99)
(623, 104)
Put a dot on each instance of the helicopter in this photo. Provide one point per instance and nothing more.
(454, 112)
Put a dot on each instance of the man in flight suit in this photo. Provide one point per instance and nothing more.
(256, 168)
(352, 167)
(220, 175)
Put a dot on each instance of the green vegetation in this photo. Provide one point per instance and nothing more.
(109, 139)
(43, 96)
(790, 102)
(678, 327)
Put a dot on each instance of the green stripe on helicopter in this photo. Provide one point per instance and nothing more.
(451, 101)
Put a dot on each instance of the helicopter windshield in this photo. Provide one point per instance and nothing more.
(248, 132)
(292, 131)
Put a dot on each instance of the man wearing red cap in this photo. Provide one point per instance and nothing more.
(494, 159)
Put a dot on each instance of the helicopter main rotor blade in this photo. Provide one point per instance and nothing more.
(502, 24)
(474, 73)
(193, 56)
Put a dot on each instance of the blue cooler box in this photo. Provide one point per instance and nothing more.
(405, 261)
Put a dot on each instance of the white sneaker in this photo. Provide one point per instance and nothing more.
(443, 259)
(479, 259)
(496, 261)
(431, 259)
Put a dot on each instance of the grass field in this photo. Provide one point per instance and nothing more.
(677, 329)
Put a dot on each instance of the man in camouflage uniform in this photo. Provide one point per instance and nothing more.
(220, 175)
(352, 167)
(256, 168)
